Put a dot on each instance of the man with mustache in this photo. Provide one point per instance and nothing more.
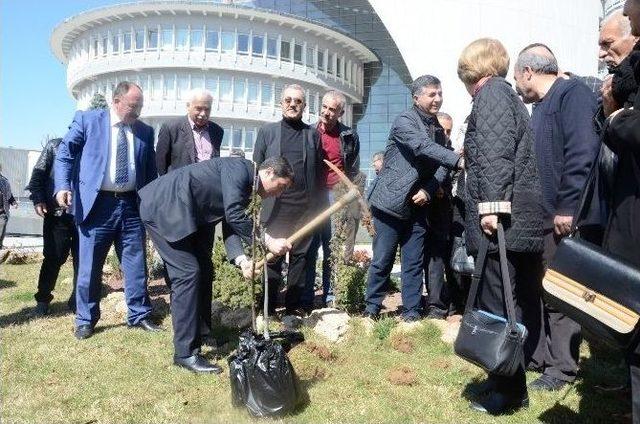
(298, 143)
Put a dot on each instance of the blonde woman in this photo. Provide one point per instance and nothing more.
(502, 185)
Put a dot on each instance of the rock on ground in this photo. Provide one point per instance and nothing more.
(328, 322)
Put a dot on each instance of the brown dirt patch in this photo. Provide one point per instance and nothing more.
(319, 351)
(402, 376)
(442, 363)
(311, 372)
(402, 343)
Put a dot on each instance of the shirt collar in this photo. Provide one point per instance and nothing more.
(193, 126)
(115, 119)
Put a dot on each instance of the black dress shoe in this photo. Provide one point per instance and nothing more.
(482, 388)
(42, 309)
(547, 383)
(197, 363)
(497, 403)
(83, 332)
(146, 325)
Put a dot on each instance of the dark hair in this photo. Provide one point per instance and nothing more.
(424, 81)
(280, 165)
(123, 88)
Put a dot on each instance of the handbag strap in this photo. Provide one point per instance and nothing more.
(504, 270)
(506, 281)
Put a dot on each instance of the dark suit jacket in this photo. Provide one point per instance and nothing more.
(176, 146)
(177, 203)
(81, 159)
(268, 145)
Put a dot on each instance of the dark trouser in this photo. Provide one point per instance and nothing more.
(112, 221)
(351, 229)
(60, 237)
(559, 344)
(188, 272)
(391, 232)
(435, 258)
(322, 237)
(525, 273)
(3, 226)
(283, 224)
(634, 367)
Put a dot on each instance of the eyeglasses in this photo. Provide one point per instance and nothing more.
(288, 100)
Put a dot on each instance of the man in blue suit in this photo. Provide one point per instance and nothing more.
(107, 156)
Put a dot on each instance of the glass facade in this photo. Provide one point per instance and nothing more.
(386, 91)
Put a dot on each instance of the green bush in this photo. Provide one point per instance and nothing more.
(229, 287)
(350, 286)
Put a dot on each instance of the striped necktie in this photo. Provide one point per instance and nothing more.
(122, 157)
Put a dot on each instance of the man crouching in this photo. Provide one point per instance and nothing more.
(173, 206)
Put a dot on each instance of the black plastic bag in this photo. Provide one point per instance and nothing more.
(262, 377)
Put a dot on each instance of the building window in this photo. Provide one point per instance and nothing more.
(152, 40)
(167, 39)
(237, 138)
(197, 82)
(243, 43)
(228, 41)
(156, 87)
(181, 39)
(257, 45)
(169, 87)
(139, 39)
(225, 90)
(238, 90)
(267, 94)
(272, 47)
(212, 40)
(183, 87)
(311, 57)
(95, 47)
(285, 51)
(297, 54)
(249, 139)
(105, 42)
(115, 46)
(321, 60)
(340, 62)
(226, 137)
(348, 72)
(252, 93)
(331, 63)
(212, 85)
(196, 39)
(127, 42)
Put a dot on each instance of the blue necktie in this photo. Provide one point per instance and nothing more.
(122, 157)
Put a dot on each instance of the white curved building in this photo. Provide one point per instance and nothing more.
(369, 49)
(243, 55)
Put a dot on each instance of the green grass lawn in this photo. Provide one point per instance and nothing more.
(125, 376)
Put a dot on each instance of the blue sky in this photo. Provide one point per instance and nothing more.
(34, 100)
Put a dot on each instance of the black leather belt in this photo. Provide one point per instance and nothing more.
(118, 194)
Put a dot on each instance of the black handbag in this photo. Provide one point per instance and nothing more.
(492, 342)
(461, 261)
(596, 289)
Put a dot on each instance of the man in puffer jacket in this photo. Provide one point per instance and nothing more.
(416, 163)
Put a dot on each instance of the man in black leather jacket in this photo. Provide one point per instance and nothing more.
(59, 234)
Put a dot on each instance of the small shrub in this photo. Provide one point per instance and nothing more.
(382, 329)
(229, 287)
(350, 287)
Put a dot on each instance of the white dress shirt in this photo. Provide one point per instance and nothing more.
(109, 179)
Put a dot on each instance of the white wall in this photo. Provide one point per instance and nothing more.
(431, 34)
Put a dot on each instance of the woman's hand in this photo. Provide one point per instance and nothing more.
(489, 224)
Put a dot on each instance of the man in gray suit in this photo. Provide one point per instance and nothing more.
(298, 143)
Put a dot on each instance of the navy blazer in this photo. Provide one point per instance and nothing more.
(176, 146)
(82, 157)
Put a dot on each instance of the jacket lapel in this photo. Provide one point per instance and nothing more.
(190, 144)
(138, 151)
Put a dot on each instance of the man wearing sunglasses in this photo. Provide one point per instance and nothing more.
(297, 142)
